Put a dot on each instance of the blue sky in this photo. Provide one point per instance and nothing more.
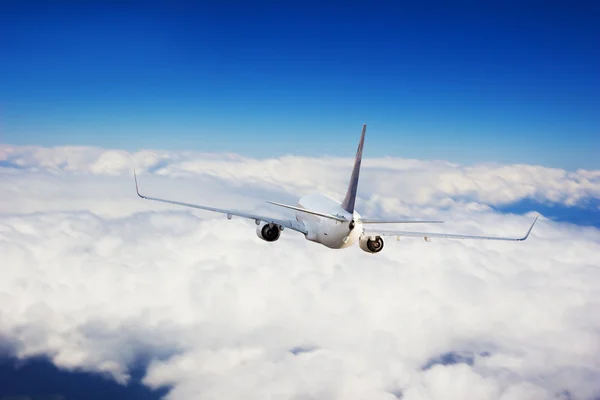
(51, 383)
(504, 82)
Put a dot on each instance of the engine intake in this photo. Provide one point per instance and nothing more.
(371, 245)
(268, 232)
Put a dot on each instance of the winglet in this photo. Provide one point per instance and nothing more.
(530, 228)
(348, 203)
(136, 185)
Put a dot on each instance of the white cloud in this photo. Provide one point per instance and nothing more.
(95, 278)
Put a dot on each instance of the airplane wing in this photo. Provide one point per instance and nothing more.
(397, 221)
(427, 235)
(291, 224)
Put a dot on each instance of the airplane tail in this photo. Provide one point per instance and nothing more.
(348, 203)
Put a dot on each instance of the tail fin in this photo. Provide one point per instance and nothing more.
(348, 203)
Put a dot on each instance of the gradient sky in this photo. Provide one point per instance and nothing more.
(479, 81)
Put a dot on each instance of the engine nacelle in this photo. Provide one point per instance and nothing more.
(371, 244)
(268, 232)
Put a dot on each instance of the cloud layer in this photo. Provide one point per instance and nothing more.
(97, 279)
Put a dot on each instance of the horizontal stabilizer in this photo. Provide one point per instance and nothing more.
(304, 210)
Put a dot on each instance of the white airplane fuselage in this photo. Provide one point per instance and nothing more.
(331, 233)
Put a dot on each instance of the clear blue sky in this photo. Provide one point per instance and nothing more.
(467, 82)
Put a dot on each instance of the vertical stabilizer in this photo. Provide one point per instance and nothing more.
(348, 203)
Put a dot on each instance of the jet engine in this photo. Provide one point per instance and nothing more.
(268, 232)
(371, 244)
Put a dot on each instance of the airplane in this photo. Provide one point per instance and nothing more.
(336, 225)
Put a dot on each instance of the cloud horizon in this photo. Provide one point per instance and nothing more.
(95, 278)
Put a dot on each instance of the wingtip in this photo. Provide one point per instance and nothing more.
(533, 223)
(530, 228)
(137, 190)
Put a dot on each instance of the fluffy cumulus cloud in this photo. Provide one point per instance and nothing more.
(96, 279)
